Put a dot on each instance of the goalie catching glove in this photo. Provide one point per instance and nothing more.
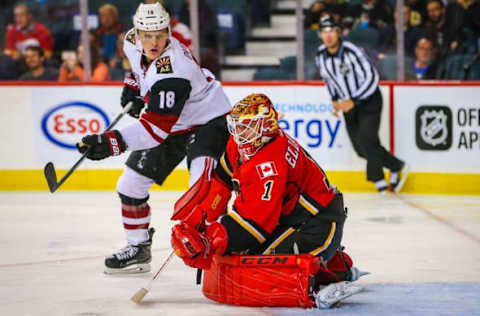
(197, 249)
(102, 146)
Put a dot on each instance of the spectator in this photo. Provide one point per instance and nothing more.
(181, 32)
(447, 36)
(119, 65)
(72, 69)
(412, 34)
(34, 59)
(108, 31)
(336, 9)
(380, 14)
(424, 66)
(208, 34)
(25, 33)
(473, 22)
(260, 11)
(346, 24)
(462, 14)
(314, 13)
(457, 11)
(418, 12)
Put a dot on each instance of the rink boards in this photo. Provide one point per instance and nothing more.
(433, 126)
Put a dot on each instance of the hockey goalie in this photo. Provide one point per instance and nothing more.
(279, 244)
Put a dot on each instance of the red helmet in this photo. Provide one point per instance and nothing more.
(253, 122)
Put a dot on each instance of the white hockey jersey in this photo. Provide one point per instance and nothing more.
(179, 94)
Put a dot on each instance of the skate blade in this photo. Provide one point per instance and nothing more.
(133, 269)
(334, 293)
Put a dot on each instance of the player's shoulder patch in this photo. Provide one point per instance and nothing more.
(130, 36)
(164, 65)
(266, 169)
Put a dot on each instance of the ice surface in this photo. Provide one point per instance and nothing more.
(423, 253)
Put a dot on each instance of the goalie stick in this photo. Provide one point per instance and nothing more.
(49, 169)
(140, 294)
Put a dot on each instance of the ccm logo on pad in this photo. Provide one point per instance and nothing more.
(260, 260)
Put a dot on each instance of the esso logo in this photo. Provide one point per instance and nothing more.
(67, 123)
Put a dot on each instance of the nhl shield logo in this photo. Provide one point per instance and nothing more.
(344, 69)
(434, 127)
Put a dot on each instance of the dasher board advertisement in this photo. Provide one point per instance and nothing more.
(438, 129)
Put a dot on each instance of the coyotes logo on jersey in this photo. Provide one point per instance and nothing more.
(267, 169)
(164, 65)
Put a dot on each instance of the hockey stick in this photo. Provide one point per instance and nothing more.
(49, 169)
(140, 294)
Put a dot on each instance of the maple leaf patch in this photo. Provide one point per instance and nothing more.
(267, 169)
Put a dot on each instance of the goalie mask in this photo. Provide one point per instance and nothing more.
(253, 123)
(151, 17)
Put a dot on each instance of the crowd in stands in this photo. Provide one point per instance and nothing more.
(441, 37)
(436, 33)
(31, 51)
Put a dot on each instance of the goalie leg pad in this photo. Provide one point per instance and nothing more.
(215, 203)
(194, 195)
(263, 280)
(209, 193)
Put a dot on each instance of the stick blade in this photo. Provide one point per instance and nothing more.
(51, 176)
(138, 297)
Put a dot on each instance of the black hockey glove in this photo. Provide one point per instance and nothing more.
(131, 94)
(102, 146)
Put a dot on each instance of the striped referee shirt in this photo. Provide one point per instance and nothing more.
(349, 74)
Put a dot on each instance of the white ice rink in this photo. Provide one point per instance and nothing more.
(423, 253)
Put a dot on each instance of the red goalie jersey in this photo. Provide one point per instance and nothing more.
(280, 184)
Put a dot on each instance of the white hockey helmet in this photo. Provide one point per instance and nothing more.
(151, 17)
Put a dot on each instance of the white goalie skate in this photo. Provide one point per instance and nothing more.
(334, 293)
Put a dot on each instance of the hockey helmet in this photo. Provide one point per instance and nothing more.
(253, 122)
(151, 17)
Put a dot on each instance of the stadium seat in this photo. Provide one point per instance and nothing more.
(289, 64)
(232, 23)
(311, 41)
(454, 67)
(355, 2)
(310, 46)
(474, 71)
(270, 74)
(173, 5)
(288, 67)
(470, 41)
(364, 37)
(389, 68)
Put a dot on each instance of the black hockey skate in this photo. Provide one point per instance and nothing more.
(131, 259)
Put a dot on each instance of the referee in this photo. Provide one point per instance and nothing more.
(352, 83)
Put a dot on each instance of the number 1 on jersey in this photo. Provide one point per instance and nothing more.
(267, 194)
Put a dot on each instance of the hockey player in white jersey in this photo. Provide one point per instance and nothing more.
(184, 116)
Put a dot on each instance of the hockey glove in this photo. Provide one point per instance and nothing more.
(131, 94)
(102, 146)
(197, 249)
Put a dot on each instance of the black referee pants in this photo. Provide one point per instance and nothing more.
(363, 122)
